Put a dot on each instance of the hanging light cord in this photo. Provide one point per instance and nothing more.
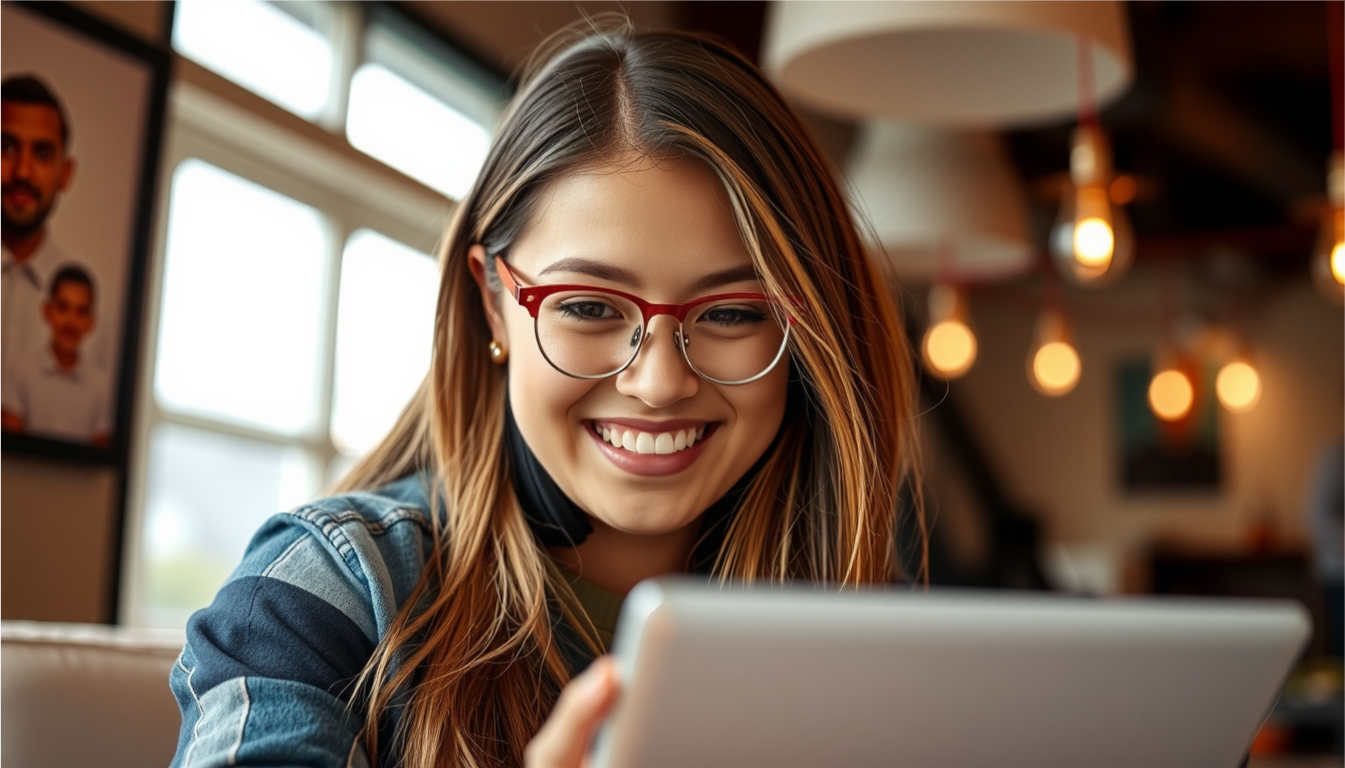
(1088, 116)
(1336, 50)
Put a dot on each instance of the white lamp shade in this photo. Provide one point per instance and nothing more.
(942, 204)
(965, 63)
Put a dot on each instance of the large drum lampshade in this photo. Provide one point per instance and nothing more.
(963, 63)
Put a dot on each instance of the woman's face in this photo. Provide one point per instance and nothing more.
(660, 230)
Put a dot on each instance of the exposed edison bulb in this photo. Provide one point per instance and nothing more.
(1094, 242)
(950, 349)
(1171, 394)
(1053, 365)
(1091, 242)
(949, 346)
(1238, 386)
(1328, 256)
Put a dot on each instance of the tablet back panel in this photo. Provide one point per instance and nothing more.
(803, 677)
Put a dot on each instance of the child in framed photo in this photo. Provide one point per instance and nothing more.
(53, 390)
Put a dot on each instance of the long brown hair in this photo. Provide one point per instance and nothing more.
(476, 635)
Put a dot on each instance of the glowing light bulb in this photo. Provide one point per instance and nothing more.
(1171, 395)
(1328, 255)
(1053, 366)
(1093, 242)
(1238, 386)
(949, 348)
(1056, 368)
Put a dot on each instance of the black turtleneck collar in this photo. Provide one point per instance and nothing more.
(557, 521)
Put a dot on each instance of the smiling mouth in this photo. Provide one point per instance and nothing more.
(636, 441)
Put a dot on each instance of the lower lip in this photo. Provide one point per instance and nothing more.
(650, 464)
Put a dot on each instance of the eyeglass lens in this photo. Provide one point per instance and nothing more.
(590, 334)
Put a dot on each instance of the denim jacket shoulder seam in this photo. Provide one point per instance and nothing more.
(283, 556)
(328, 525)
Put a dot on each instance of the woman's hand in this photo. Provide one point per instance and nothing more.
(565, 736)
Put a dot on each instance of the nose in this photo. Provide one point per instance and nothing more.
(659, 376)
(22, 164)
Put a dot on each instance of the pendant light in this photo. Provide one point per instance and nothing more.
(1328, 256)
(1092, 243)
(949, 345)
(1053, 365)
(1238, 385)
(968, 63)
(941, 203)
(1171, 394)
(1172, 390)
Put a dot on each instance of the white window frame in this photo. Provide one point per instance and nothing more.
(223, 124)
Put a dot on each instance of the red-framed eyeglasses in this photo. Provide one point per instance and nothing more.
(588, 332)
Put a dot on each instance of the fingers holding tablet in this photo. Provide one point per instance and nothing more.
(565, 736)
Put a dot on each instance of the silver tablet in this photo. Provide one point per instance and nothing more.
(804, 677)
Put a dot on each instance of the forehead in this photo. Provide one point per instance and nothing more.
(33, 121)
(72, 292)
(667, 222)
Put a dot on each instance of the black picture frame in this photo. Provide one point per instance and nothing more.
(111, 60)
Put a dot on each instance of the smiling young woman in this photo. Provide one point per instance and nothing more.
(660, 347)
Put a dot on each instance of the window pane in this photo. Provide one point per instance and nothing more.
(419, 135)
(207, 494)
(384, 330)
(242, 298)
(274, 50)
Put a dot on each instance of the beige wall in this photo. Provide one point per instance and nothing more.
(58, 530)
(1059, 456)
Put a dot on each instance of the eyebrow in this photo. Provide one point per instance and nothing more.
(593, 268)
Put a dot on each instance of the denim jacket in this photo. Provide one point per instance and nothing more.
(267, 670)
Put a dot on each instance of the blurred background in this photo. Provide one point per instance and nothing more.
(1115, 228)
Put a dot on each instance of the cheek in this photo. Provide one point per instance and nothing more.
(541, 397)
(760, 407)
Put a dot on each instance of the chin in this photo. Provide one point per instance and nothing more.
(647, 519)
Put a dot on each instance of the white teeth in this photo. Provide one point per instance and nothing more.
(647, 442)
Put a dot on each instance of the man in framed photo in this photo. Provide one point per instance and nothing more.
(37, 170)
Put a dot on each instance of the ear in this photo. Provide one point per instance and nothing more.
(490, 300)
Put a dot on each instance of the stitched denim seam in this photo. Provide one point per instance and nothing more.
(325, 520)
(284, 556)
(242, 722)
(200, 711)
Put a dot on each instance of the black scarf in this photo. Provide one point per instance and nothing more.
(557, 521)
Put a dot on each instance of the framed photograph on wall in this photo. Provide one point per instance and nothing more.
(83, 109)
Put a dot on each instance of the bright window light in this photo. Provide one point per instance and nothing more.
(261, 47)
(240, 328)
(384, 330)
(412, 131)
(207, 493)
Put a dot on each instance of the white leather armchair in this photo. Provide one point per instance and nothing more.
(86, 694)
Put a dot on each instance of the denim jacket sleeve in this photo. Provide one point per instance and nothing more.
(266, 675)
